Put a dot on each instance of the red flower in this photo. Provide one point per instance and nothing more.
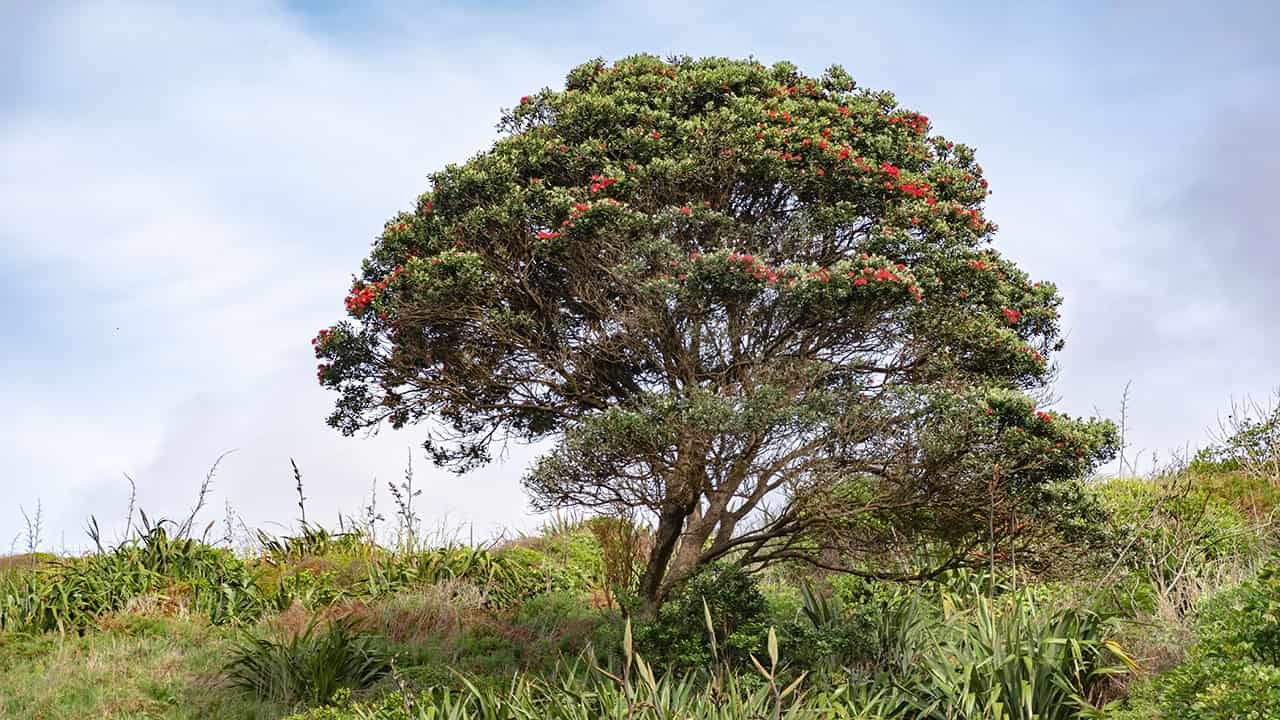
(544, 235)
(844, 111)
(686, 211)
(1012, 316)
(655, 135)
(524, 100)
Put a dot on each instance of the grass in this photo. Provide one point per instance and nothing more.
(163, 626)
(136, 667)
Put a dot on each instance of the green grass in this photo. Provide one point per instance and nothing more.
(137, 667)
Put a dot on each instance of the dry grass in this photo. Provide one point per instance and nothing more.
(24, 561)
(435, 610)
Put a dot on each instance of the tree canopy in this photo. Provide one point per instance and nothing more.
(760, 307)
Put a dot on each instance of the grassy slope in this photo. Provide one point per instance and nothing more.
(142, 664)
(137, 667)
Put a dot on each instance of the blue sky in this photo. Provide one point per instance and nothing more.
(187, 192)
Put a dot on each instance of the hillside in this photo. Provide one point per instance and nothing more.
(1167, 609)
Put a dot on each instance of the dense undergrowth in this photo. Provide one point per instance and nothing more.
(1175, 614)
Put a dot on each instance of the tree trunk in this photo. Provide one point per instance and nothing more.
(670, 524)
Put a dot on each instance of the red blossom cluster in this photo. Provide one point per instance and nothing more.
(890, 169)
(975, 217)
(360, 297)
(576, 212)
(756, 268)
(398, 227)
(786, 116)
(915, 121)
(322, 337)
(1012, 315)
(884, 275)
(545, 235)
(810, 88)
(915, 189)
(600, 182)
(1033, 353)
(363, 294)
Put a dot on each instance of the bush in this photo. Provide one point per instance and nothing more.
(1233, 669)
(1185, 542)
(680, 638)
(840, 626)
(309, 666)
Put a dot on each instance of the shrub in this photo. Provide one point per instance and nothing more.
(837, 627)
(680, 637)
(309, 666)
(1233, 668)
(1185, 541)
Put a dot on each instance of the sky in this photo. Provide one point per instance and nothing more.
(186, 193)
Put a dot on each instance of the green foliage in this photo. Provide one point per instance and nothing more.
(1178, 534)
(578, 698)
(130, 666)
(985, 661)
(1011, 659)
(505, 577)
(680, 638)
(1233, 669)
(850, 624)
(709, 280)
(314, 541)
(69, 594)
(309, 666)
(1251, 442)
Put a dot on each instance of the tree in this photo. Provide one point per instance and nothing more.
(757, 306)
